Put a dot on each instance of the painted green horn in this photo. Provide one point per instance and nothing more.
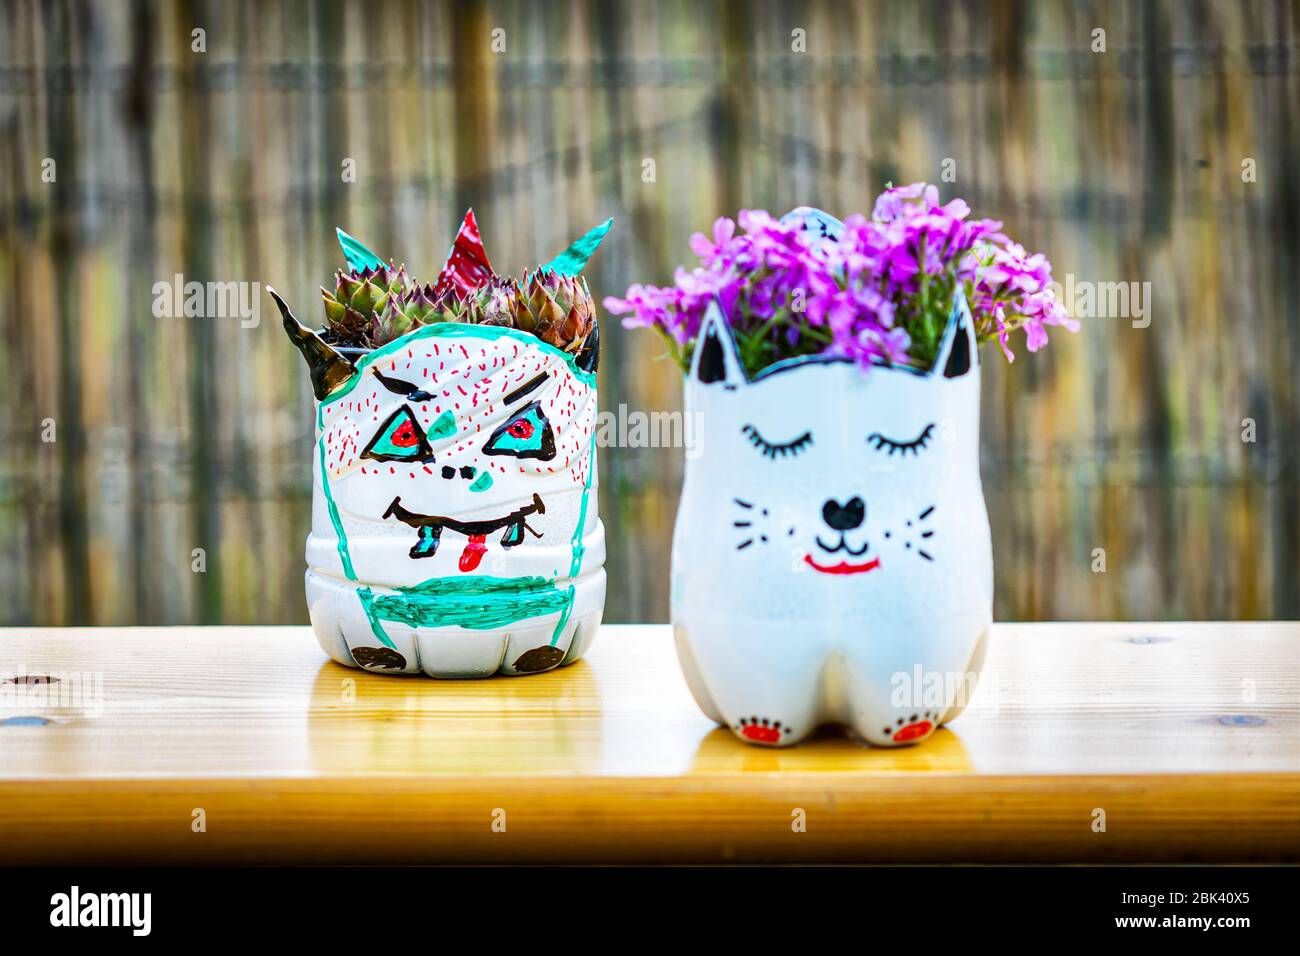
(329, 369)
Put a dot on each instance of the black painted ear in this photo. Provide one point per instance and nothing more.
(716, 360)
(958, 353)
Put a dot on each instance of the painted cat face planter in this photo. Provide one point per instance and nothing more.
(454, 521)
(831, 561)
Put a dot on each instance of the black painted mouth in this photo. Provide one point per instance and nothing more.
(843, 545)
(430, 527)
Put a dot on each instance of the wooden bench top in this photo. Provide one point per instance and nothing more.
(245, 744)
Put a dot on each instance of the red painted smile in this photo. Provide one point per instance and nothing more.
(843, 567)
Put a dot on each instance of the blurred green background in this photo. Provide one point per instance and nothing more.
(181, 433)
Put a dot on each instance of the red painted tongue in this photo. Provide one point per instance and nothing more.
(473, 553)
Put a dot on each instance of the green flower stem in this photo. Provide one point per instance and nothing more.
(681, 357)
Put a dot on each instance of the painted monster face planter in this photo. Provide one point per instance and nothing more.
(831, 562)
(454, 521)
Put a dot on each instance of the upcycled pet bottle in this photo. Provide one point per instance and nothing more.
(455, 529)
(832, 559)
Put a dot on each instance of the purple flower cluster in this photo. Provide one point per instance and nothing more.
(881, 292)
(1016, 290)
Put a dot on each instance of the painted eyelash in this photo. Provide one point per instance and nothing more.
(903, 447)
(774, 451)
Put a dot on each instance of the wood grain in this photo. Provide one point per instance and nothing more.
(1187, 736)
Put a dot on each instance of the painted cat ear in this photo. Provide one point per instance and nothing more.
(958, 353)
(716, 360)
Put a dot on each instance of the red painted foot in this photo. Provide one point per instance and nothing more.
(761, 730)
(913, 731)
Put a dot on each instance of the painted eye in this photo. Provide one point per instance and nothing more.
(399, 438)
(776, 449)
(526, 434)
(913, 447)
(405, 436)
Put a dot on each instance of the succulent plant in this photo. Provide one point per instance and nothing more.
(393, 323)
(417, 304)
(492, 303)
(448, 306)
(359, 300)
(406, 309)
(556, 308)
(373, 306)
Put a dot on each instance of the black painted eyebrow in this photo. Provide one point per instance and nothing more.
(402, 387)
(532, 385)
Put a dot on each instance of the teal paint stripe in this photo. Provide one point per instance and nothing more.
(478, 602)
(564, 616)
(579, 549)
(368, 605)
(472, 585)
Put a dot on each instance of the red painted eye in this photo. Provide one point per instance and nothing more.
(405, 436)
(521, 429)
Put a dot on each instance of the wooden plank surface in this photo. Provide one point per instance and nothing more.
(1186, 736)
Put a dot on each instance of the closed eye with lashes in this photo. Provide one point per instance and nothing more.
(776, 449)
(913, 447)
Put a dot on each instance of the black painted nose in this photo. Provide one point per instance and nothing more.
(844, 517)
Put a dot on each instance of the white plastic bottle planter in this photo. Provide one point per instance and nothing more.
(454, 521)
(831, 561)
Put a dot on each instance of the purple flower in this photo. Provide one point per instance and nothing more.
(653, 307)
(721, 248)
(899, 201)
(880, 293)
(1000, 320)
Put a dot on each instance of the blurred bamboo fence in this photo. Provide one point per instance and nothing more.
(176, 434)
